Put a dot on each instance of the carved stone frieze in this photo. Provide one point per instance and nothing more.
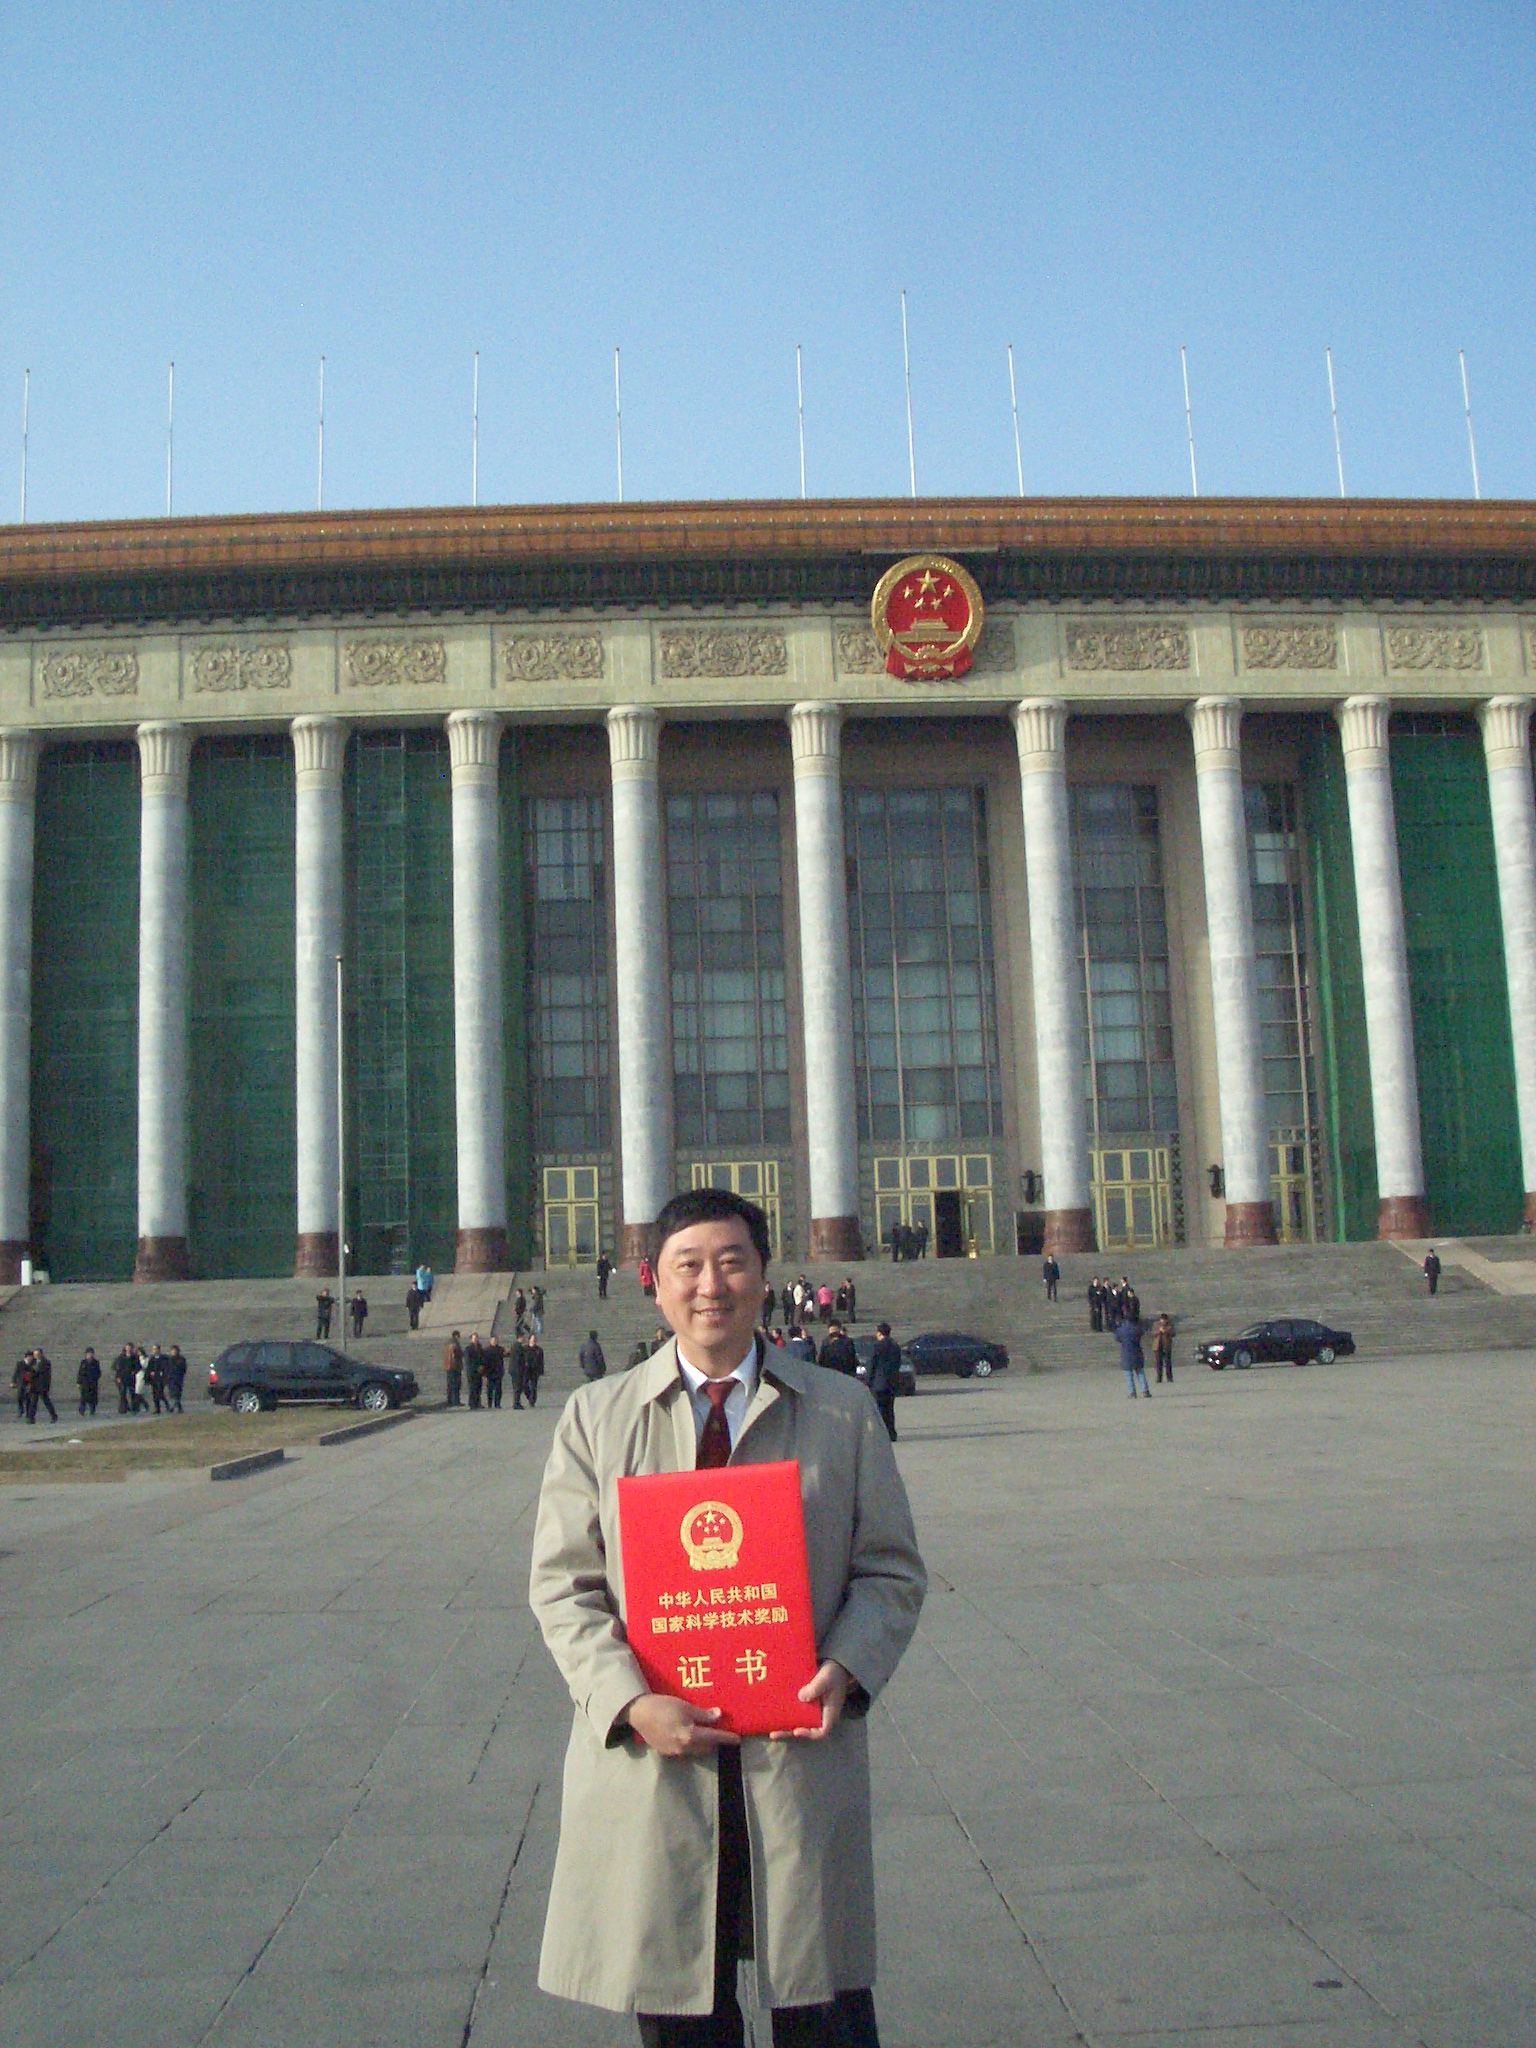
(225, 668)
(1147, 644)
(1291, 643)
(552, 657)
(858, 652)
(723, 651)
(394, 663)
(1430, 645)
(91, 672)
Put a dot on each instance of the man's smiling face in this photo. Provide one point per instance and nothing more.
(709, 1286)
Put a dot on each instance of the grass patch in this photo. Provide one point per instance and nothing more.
(163, 1443)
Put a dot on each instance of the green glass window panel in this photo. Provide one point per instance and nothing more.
(85, 1003)
(402, 1161)
(1456, 977)
(1343, 1063)
(241, 1192)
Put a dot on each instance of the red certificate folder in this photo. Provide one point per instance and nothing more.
(716, 1594)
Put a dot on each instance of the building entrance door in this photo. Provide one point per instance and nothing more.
(755, 1179)
(949, 1224)
(1290, 1180)
(570, 1216)
(1132, 1196)
(923, 1188)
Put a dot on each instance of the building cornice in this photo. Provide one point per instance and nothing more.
(803, 553)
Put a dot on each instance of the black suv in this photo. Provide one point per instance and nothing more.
(248, 1377)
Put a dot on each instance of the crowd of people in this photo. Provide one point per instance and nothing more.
(146, 1378)
(476, 1372)
(1114, 1307)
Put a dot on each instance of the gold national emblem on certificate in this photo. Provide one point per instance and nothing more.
(711, 1536)
(926, 613)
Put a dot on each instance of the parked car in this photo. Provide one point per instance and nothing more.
(1296, 1341)
(950, 1351)
(906, 1378)
(249, 1377)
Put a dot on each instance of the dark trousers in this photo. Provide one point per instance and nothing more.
(455, 1389)
(32, 1401)
(602, 1286)
(1433, 1282)
(519, 1386)
(322, 1326)
(531, 1390)
(493, 1390)
(886, 1403)
(88, 1399)
(848, 2022)
(474, 1390)
(1164, 1363)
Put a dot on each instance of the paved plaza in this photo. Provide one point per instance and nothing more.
(1220, 1729)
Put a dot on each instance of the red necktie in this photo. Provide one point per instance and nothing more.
(715, 1436)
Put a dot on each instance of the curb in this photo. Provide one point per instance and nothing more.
(346, 1434)
(241, 1468)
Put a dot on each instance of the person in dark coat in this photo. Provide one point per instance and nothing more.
(1095, 1303)
(42, 1384)
(1050, 1272)
(639, 1352)
(413, 1301)
(593, 1363)
(156, 1377)
(853, 1299)
(495, 1371)
(21, 1381)
(787, 1304)
(885, 1376)
(453, 1370)
(474, 1367)
(1432, 1270)
(517, 1368)
(604, 1272)
(533, 1370)
(1131, 1305)
(124, 1369)
(837, 1352)
(1132, 1361)
(770, 1303)
(175, 1377)
(359, 1309)
(325, 1301)
(88, 1380)
(520, 1309)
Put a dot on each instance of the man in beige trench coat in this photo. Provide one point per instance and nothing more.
(683, 1849)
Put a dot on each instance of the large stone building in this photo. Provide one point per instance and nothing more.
(1202, 906)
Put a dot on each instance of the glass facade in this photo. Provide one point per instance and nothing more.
(920, 939)
(1279, 933)
(725, 912)
(567, 988)
(1130, 1081)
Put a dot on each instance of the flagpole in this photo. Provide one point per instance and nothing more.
(618, 424)
(320, 464)
(800, 415)
(1013, 398)
(474, 438)
(1333, 407)
(341, 1151)
(1189, 423)
(906, 369)
(26, 405)
(1466, 400)
(170, 430)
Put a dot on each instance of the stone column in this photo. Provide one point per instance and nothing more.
(640, 952)
(1506, 723)
(815, 736)
(1217, 724)
(165, 753)
(1364, 723)
(1040, 724)
(18, 807)
(319, 748)
(479, 1049)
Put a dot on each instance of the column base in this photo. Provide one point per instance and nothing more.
(635, 1243)
(1530, 1210)
(14, 1249)
(482, 1251)
(1402, 1216)
(837, 1239)
(314, 1255)
(1250, 1223)
(1068, 1230)
(162, 1258)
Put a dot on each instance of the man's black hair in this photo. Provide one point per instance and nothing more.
(711, 1205)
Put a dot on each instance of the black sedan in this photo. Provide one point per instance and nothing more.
(906, 1379)
(1294, 1342)
(250, 1377)
(950, 1351)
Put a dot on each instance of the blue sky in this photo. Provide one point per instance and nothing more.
(245, 187)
